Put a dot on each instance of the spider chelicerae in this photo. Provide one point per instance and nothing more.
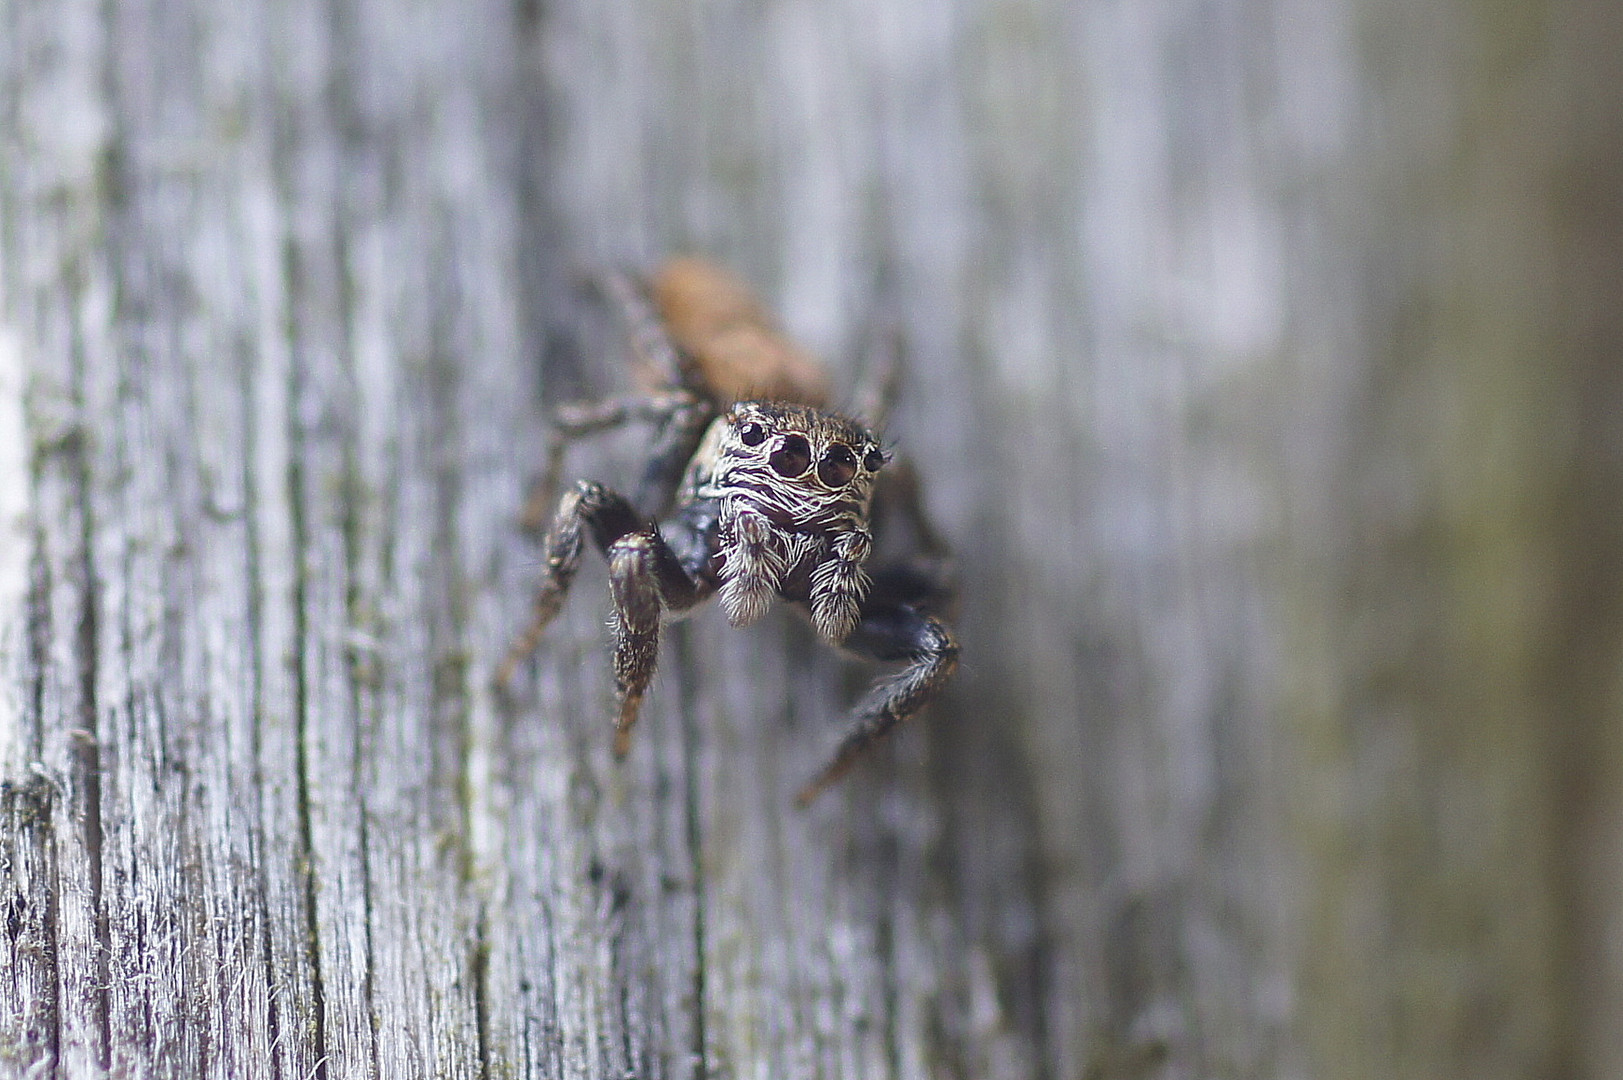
(753, 492)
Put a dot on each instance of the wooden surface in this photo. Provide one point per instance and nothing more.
(1263, 376)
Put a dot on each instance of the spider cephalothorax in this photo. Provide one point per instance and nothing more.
(794, 486)
(771, 499)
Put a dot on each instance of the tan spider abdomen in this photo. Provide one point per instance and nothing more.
(719, 325)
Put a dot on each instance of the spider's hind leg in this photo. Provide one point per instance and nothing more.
(679, 418)
(675, 400)
(891, 628)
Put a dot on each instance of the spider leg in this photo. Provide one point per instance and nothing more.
(681, 410)
(890, 629)
(656, 353)
(681, 428)
(680, 420)
(838, 586)
(900, 521)
(646, 578)
(754, 567)
(676, 439)
(882, 376)
(609, 516)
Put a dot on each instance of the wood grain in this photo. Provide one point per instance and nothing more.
(1261, 371)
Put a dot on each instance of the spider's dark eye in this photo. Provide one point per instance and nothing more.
(873, 460)
(751, 434)
(838, 466)
(792, 459)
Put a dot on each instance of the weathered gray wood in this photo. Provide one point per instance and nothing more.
(1263, 375)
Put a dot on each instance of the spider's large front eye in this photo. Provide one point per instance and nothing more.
(751, 434)
(838, 466)
(792, 459)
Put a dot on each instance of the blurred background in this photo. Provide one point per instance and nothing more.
(1263, 369)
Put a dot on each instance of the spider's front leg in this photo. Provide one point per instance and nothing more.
(645, 577)
(890, 628)
(609, 516)
(838, 586)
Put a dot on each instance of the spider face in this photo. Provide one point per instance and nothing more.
(803, 469)
(793, 486)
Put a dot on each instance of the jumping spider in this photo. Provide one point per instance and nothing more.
(753, 492)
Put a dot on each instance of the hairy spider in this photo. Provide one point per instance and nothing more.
(753, 492)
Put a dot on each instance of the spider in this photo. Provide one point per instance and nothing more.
(754, 491)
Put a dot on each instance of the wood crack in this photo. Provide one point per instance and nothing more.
(38, 791)
(253, 558)
(685, 682)
(86, 748)
(301, 713)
